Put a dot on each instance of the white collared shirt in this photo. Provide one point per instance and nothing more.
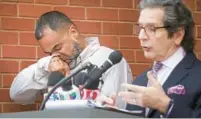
(169, 65)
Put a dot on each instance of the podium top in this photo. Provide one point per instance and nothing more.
(69, 113)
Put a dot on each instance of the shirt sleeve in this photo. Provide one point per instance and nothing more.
(113, 78)
(30, 81)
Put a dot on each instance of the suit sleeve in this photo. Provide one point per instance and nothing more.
(182, 111)
(30, 81)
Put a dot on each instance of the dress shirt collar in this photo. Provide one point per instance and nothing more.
(173, 60)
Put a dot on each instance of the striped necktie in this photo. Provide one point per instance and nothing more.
(157, 66)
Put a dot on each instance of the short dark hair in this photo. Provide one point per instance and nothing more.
(53, 20)
(177, 16)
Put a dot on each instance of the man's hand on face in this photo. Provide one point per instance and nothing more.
(153, 96)
(56, 64)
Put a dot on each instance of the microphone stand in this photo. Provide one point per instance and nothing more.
(42, 106)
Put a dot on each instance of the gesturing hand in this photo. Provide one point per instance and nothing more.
(153, 96)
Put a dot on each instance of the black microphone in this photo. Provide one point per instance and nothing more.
(82, 77)
(63, 80)
(55, 77)
(94, 76)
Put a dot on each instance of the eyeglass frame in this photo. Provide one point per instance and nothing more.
(144, 28)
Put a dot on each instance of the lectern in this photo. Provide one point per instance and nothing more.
(70, 113)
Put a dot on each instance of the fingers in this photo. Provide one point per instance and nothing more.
(105, 100)
(131, 98)
(56, 64)
(129, 95)
(134, 88)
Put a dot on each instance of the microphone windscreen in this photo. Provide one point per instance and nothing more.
(81, 78)
(115, 57)
(54, 78)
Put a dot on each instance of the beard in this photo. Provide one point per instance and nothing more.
(72, 62)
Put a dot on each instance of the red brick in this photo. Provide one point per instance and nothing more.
(140, 58)
(118, 28)
(19, 52)
(136, 4)
(199, 32)
(118, 3)
(128, 55)
(19, 1)
(9, 66)
(7, 80)
(129, 15)
(197, 18)
(0, 51)
(0, 23)
(129, 43)
(29, 10)
(89, 27)
(58, 2)
(40, 53)
(25, 64)
(8, 37)
(18, 107)
(1, 79)
(26, 1)
(190, 4)
(72, 12)
(0, 107)
(5, 97)
(102, 14)
(198, 45)
(27, 39)
(109, 41)
(93, 3)
(198, 5)
(137, 69)
(8, 9)
(17, 24)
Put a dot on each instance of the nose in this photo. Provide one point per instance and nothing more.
(142, 35)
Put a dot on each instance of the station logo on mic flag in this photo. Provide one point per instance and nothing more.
(88, 94)
(73, 96)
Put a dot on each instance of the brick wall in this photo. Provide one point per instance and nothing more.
(111, 20)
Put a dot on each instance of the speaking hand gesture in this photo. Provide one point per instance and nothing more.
(152, 96)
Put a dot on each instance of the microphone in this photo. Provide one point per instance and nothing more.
(82, 77)
(90, 92)
(65, 79)
(53, 79)
(66, 91)
(93, 76)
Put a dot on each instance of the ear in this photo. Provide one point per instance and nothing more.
(73, 32)
(178, 36)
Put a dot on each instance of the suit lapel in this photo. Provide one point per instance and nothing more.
(178, 74)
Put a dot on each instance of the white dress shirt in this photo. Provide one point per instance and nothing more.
(28, 83)
(169, 65)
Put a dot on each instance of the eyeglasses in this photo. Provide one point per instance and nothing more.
(149, 30)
